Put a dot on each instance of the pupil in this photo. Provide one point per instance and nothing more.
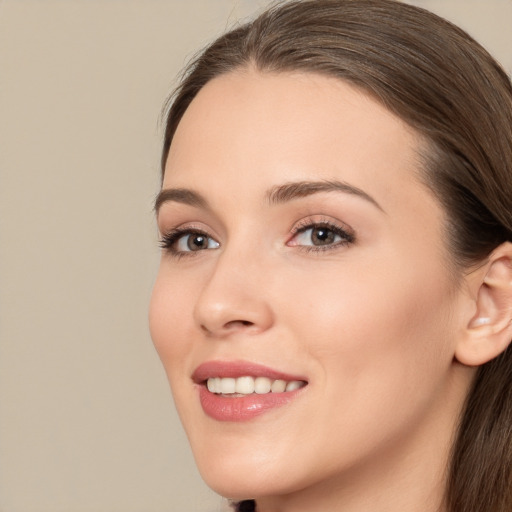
(197, 242)
(323, 236)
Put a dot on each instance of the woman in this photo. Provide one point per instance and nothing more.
(334, 301)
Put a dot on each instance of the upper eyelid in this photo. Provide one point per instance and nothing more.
(179, 232)
(311, 221)
(310, 225)
(299, 226)
(313, 191)
(173, 214)
(185, 227)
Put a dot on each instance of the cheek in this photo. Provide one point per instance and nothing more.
(367, 306)
(377, 341)
(169, 311)
(380, 337)
(170, 314)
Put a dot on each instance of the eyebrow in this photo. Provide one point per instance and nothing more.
(180, 195)
(276, 195)
(294, 190)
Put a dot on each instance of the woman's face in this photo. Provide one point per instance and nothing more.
(300, 246)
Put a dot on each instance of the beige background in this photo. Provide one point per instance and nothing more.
(86, 419)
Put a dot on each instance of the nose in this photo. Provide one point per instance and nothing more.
(233, 299)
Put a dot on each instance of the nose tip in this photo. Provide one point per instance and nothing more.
(223, 309)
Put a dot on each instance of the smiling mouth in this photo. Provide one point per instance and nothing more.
(239, 391)
(248, 385)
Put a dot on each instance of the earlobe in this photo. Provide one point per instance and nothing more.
(489, 331)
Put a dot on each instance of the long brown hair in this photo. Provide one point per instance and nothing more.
(445, 85)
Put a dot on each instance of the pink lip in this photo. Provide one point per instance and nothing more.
(240, 408)
(236, 369)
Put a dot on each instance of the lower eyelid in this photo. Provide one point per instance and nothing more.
(320, 248)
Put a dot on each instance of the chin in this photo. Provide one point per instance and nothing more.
(242, 477)
(245, 476)
(244, 489)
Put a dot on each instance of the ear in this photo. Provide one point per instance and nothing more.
(489, 331)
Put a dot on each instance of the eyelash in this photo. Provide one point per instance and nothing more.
(346, 235)
(169, 240)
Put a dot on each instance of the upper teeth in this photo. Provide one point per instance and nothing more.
(248, 385)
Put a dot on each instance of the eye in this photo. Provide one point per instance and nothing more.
(180, 241)
(319, 236)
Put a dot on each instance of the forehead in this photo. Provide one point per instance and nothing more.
(264, 128)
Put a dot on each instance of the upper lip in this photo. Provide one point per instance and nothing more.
(236, 369)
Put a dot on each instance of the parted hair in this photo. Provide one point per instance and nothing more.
(446, 86)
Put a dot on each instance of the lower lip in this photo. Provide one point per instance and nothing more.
(242, 408)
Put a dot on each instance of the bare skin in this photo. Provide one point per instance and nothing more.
(349, 287)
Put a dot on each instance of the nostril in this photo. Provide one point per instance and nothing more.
(229, 326)
(238, 323)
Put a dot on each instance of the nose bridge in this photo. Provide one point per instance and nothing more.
(233, 297)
